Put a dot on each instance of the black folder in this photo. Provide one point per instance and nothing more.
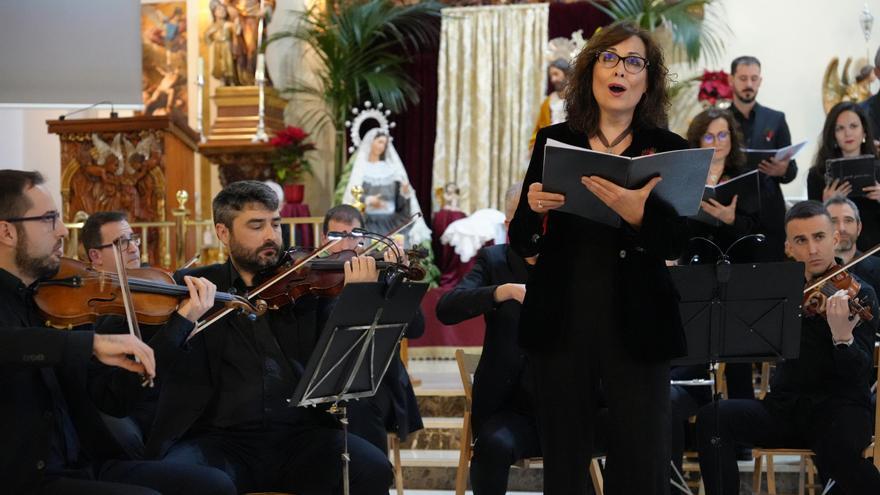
(745, 187)
(754, 157)
(860, 171)
(684, 174)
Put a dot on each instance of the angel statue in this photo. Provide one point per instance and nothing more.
(849, 84)
(388, 198)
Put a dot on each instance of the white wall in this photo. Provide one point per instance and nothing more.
(795, 40)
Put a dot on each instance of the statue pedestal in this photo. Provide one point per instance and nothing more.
(229, 143)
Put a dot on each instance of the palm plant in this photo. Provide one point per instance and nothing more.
(691, 30)
(362, 47)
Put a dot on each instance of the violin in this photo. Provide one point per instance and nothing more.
(323, 277)
(79, 294)
(837, 278)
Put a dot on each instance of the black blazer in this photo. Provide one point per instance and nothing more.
(194, 379)
(503, 361)
(645, 296)
(769, 130)
(30, 359)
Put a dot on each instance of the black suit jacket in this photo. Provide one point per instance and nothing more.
(503, 361)
(194, 379)
(645, 297)
(30, 359)
(769, 130)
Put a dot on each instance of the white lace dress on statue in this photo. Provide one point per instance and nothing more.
(388, 195)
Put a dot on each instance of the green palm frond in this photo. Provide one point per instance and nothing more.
(691, 30)
(362, 47)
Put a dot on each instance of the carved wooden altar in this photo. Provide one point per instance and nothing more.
(132, 164)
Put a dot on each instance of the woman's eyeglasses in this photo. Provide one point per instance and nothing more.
(631, 63)
(721, 137)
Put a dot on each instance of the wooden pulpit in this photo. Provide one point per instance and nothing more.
(131, 164)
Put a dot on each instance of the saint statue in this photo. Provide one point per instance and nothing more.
(388, 198)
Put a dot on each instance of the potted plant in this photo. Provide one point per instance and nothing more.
(289, 161)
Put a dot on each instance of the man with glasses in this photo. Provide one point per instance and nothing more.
(394, 407)
(55, 381)
(100, 232)
(763, 129)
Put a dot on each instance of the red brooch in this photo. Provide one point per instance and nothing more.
(768, 134)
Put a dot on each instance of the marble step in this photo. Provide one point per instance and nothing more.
(440, 433)
(426, 469)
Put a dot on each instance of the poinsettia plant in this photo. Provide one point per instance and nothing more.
(715, 89)
(289, 160)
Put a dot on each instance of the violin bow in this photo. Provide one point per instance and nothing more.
(190, 262)
(128, 303)
(262, 287)
(376, 243)
(842, 269)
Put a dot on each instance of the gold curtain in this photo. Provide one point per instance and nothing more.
(491, 80)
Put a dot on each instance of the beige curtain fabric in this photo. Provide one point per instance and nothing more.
(491, 80)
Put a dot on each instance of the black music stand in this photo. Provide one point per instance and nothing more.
(739, 313)
(356, 347)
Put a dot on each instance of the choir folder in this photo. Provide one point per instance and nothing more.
(754, 157)
(684, 174)
(859, 171)
(746, 189)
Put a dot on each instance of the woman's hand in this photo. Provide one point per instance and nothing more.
(542, 202)
(872, 192)
(726, 214)
(628, 203)
(836, 188)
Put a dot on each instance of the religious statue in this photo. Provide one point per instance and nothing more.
(560, 53)
(388, 198)
(850, 84)
(220, 38)
(234, 38)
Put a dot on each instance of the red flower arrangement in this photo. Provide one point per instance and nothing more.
(715, 88)
(289, 161)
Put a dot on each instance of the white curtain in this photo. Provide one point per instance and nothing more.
(491, 80)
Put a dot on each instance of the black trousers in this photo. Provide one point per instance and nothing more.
(837, 433)
(370, 418)
(567, 376)
(303, 459)
(140, 478)
(506, 437)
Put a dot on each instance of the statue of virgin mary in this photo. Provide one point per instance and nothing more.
(388, 197)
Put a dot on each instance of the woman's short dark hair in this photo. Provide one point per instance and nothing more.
(828, 148)
(580, 103)
(736, 159)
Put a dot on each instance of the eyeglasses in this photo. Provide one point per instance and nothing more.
(632, 63)
(124, 242)
(48, 218)
(720, 137)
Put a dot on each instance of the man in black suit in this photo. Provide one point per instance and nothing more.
(503, 418)
(848, 223)
(228, 404)
(819, 401)
(763, 128)
(394, 407)
(56, 441)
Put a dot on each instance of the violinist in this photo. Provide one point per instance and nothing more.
(819, 401)
(56, 441)
(226, 405)
(394, 406)
(100, 231)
